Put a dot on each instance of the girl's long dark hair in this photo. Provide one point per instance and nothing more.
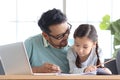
(90, 32)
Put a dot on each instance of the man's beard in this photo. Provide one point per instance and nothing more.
(63, 43)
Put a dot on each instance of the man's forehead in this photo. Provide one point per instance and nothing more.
(59, 28)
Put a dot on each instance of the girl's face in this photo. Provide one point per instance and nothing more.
(83, 46)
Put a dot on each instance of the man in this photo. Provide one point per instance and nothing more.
(47, 51)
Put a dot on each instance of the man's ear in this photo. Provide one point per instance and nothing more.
(45, 35)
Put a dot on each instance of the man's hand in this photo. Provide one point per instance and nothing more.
(47, 68)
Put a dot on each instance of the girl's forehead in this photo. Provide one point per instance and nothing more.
(83, 40)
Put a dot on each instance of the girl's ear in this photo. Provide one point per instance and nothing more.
(94, 43)
(45, 35)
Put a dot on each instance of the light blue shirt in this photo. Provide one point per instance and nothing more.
(92, 60)
(40, 51)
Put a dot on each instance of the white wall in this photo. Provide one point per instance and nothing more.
(105, 42)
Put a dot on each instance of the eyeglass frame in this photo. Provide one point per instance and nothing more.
(58, 37)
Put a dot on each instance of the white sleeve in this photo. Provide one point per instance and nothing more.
(71, 56)
(101, 56)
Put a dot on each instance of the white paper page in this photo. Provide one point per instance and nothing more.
(65, 74)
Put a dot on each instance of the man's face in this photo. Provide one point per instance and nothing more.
(59, 35)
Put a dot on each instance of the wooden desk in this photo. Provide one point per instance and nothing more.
(59, 77)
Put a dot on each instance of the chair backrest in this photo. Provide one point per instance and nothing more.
(112, 66)
(118, 61)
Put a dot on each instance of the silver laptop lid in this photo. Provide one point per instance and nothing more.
(15, 59)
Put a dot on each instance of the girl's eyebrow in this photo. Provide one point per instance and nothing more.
(85, 44)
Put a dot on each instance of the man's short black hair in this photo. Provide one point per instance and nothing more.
(51, 17)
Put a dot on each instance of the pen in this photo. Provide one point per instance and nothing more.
(106, 62)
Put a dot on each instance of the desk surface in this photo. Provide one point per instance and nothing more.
(59, 77)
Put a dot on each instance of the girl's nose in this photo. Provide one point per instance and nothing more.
(80, 50)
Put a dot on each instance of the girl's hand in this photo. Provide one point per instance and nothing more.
(90, 68)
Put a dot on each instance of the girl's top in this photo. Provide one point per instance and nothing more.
(92, 60)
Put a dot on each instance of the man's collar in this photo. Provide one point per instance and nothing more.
(45, 42)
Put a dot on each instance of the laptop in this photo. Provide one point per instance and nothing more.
(1, 68)
(14, 60)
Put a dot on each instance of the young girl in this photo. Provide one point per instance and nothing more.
(85, 55)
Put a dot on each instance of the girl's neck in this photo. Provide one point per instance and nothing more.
(84, 58)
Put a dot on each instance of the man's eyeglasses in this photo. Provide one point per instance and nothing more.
(62, 35)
